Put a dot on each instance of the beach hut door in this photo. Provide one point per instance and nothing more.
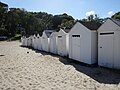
(61, 49)
(106, 49)
(76, 47)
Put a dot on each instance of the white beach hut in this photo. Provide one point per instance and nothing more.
(83, 42)
(32, 37)
(39, 42)
(34, 41)
(29, 41)
(45, 40)
(63, 42)
(109, 44)
(53, 43)
(23, 41)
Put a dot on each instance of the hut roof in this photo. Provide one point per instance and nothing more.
(49, 32)
(92, 25)
(116, 21)
(66, 30)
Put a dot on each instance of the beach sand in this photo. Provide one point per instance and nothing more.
(26, 69)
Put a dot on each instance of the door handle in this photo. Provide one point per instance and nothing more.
(100, 47)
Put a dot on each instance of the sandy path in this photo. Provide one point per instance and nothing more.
(25, 69)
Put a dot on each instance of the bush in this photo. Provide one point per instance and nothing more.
(16, 37)
(3, 32)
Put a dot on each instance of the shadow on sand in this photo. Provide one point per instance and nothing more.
(100, 74)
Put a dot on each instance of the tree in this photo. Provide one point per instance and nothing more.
(116, 15)
(85, 20)
(95, 18)
(62, 20)
(65, 16)
(67, 24)
(91, 18)
(13, 20)
(56, 21)
(3, 13)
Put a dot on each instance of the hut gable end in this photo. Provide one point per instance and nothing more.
(110, 25)
(78, 27)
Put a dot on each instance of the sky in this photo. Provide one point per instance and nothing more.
(79, 9)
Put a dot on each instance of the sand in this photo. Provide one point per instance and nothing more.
(26, 69)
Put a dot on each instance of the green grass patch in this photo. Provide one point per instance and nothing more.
(16, 37)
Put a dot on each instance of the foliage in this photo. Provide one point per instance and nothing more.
(3, 13)
(18, 21)
(93, 18)
(67, 24)
(56, 21)
(116, 15)
(61, 21)
(16, 37)
(3, 32)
